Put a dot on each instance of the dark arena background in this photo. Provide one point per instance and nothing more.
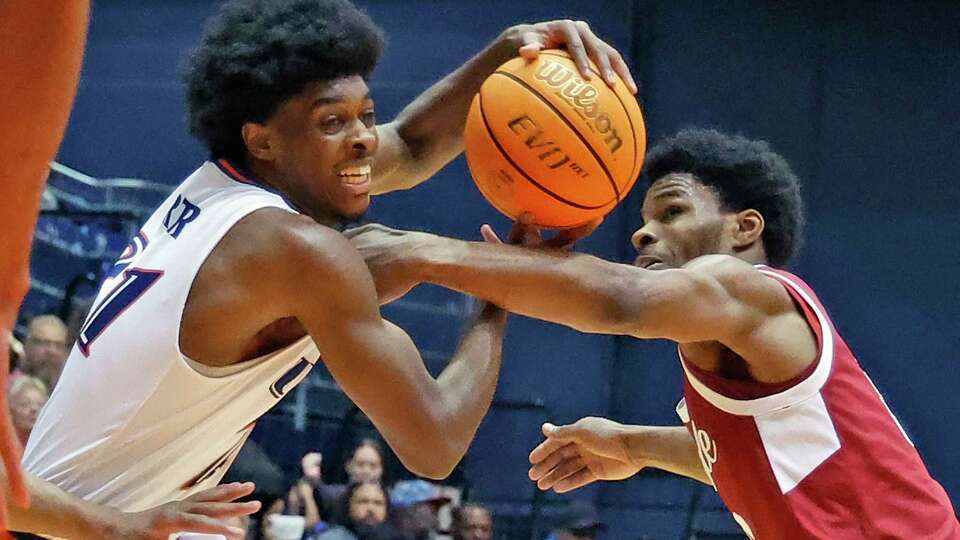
(860, 97)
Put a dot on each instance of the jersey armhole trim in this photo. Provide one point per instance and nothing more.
(795, 394)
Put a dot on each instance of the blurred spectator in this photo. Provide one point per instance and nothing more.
(365, 506)
(27, 396)
(415, 504)
(580, 522)
(366, 462)
(241, 522)
(472, 521)
(310, 467)
(302, 498)
(276, 525)
(16, 353)
(254, 465)
(79, 309)
(44, 350)
(365, 465)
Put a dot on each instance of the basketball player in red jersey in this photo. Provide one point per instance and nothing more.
(43, 42)
(780, 418)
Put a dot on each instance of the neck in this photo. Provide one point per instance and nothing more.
(264, 172)
(753, 253)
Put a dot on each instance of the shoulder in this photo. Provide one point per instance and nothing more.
(742, 282)
(292, 238)
(288, 253)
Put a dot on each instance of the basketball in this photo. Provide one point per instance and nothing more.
(542, 140)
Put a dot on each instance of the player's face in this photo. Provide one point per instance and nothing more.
(325, 141)
(683, 220)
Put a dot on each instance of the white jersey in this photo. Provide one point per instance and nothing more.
(133, 422)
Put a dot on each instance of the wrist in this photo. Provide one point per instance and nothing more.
(636, 446)
(507, 44)
(100, 523)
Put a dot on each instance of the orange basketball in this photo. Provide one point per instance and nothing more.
(540, 139)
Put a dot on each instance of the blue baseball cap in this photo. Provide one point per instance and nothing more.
(406, 493)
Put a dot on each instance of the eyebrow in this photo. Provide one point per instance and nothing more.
(670, 192)
(338, 98)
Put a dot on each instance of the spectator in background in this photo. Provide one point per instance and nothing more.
(580, 522)
(16, 352)
(472, 521)
(365, 507)
(366, 462)
(241, 522)
(302, 498)
(415, 504)
(275, 524)
(79, 309)
(27, 396)
(364, 465)
(44, 350)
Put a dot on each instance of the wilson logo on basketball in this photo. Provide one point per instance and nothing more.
(582, 96)
(550, 154)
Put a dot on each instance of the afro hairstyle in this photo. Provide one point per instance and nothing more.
(256, 54)
(746, 174)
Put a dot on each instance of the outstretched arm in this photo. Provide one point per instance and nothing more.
(429, 423)
(428, 133)
(712, 298)
(56, 513)
(594, 449)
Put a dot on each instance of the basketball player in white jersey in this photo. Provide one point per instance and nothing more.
(778, 415)
(239, 283)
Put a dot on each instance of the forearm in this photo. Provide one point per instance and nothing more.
(670, 449)
(576, 290)
(468, 383)
(431, 126)
(310, 510)
(54, 512)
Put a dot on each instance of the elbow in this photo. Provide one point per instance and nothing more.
(435, 459)
(434, 448)
(433, 471)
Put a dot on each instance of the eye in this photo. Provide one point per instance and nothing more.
(670, 213)
(331, 124)
(369, 118)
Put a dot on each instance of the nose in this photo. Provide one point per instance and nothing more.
(363, 139)
(643, 237)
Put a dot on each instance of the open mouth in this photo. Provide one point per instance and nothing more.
(356, 179)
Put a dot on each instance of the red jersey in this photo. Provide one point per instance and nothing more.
(820, 456)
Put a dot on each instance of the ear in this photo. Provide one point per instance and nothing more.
(259, 140)
(750, 227)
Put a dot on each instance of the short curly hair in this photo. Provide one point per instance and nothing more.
(256, 54)
(746, 174)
